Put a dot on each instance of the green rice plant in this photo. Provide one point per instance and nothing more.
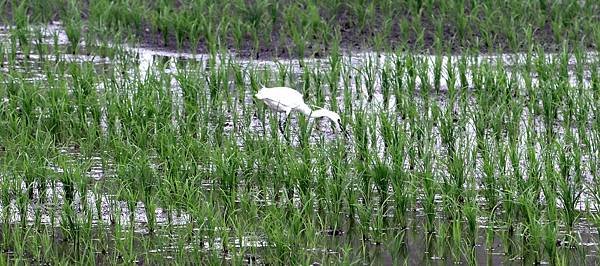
(42, 50)
(569, 188)
(45, 10)
(550, 113)
(299, 42)
(2, 54)
(239, 30)
(6, 210)
(380, 175)
(352, 201)
(369, 73)
(364, 220)
(68, 179)
(124, 15)
(490, 177)
(69, 224)
(593, 190)
(437, 72)
(86, 100)
(420, 38)
(471, 213)
(456, 180)
(535, 173)
(456, 239)
(490, 234)
(429, 190)
(21, 22)
(22, 200)
(182, 26)
(162, 20)
(461, 19)
(280, 235)
(447, 130)
(321, 170)
(227, 166)
(192, 99)
(361, 137)
(509, 217)
(73, 27)
(387, 84)
(338, 186)
(18, 238)
(315, 86)
(402, 188)
(442, 240)
(532, 235)
(399, 72)
(303, 177)
(550, 236)
(379, 42)
(379, 231)
(425, 88)
(12, 52)
(124, 249)
(462, 71)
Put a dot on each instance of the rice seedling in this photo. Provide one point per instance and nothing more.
(73, 27)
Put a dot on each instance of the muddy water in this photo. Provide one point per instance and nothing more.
(413, 245)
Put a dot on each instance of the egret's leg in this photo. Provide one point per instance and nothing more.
(281, 129)
(283, 125)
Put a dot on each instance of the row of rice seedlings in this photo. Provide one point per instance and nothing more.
(310, 28)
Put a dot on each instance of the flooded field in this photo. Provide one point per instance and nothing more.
(116, 153)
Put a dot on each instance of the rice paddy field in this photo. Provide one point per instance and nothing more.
(130, 134)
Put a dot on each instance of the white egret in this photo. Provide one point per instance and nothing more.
(284, 99)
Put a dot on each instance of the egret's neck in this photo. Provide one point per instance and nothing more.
(317, 114)
(305, 109)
